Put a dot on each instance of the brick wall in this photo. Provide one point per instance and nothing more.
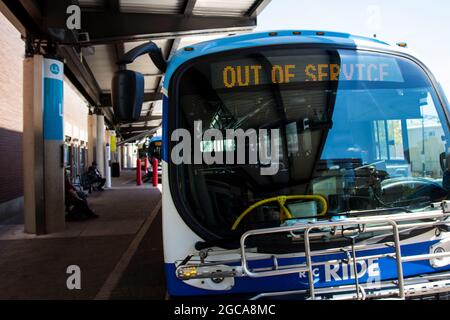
(11, 59)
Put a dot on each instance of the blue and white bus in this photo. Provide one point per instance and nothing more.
(357, 206)
(154, 150)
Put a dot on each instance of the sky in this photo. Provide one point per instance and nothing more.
(424, 25)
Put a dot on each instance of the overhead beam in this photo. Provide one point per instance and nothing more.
(189, 7)
(257, 7)
(136, 129)
(134, 137)
(80, 74)
(112, 26)
(145, 119)
(105, 27)
(28, 14)
(32, 8)
(106, 100)
(5, 10)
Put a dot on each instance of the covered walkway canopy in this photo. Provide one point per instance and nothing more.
(86, 38)
(111, 27)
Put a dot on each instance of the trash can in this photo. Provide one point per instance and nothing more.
(115, 169)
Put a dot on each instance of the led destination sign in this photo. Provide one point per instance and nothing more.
(294, 69)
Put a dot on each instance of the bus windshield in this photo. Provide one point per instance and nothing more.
(365, 130)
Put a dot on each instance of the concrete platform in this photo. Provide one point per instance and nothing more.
(34, 267)
(144, 277)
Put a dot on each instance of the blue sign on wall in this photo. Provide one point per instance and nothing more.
(53, 100)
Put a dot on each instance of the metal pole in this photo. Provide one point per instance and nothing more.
(309, 263)
(138, 172)
(154, 171)
(92, 138)
(398, 257)
(108, 166)
(100, 143)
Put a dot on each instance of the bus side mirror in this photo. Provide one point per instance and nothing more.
(127, 95)
(128, 86)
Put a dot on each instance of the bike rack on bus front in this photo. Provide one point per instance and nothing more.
(397, 224)
(308, 266)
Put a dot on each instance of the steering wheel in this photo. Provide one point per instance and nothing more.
(284, 211)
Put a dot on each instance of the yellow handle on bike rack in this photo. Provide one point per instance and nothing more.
(285, 211)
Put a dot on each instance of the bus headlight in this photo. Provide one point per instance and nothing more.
(185, 273)
(188, 272)
(213, 277)
(442, 248)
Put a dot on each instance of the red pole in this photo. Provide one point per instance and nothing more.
(138, 172)
(155, 171)
(145, 165)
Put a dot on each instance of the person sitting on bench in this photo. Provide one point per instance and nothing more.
(76, 203)
(95, 176)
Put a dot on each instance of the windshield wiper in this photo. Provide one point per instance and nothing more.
(396, 204)
(374, 211)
